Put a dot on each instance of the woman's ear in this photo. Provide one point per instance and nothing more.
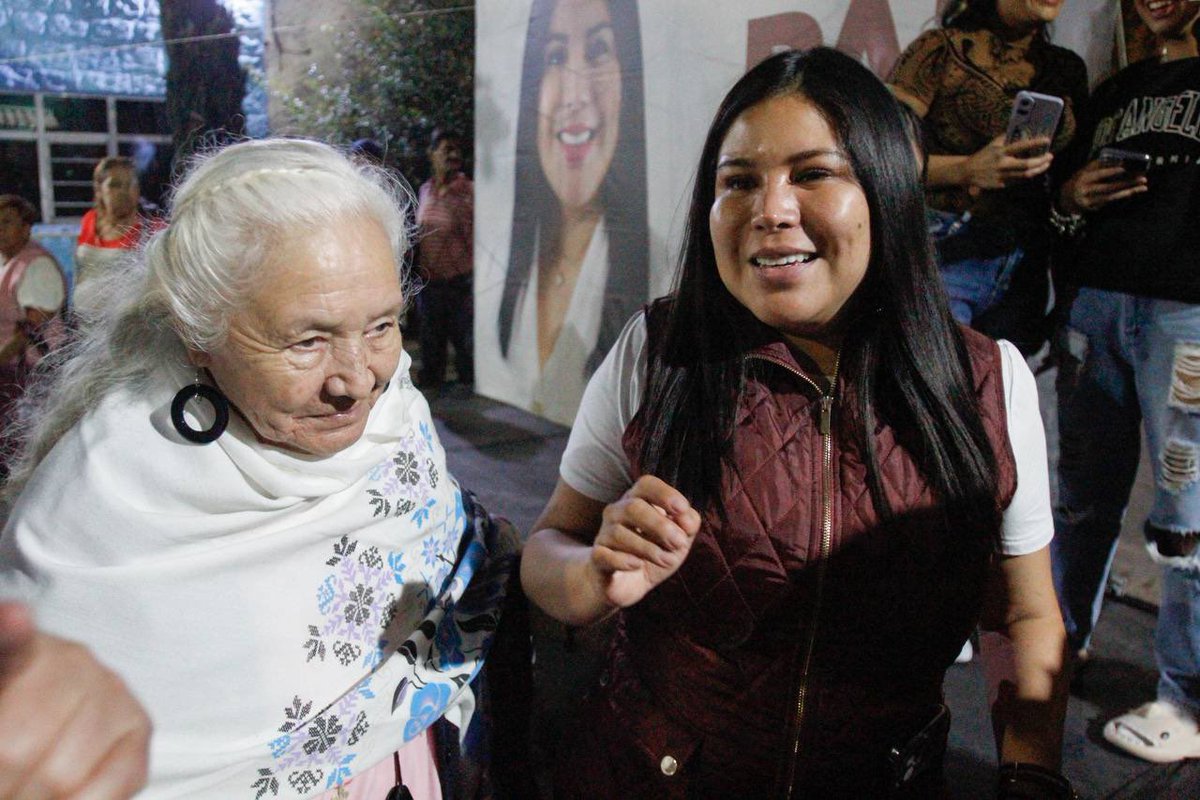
(199, 358)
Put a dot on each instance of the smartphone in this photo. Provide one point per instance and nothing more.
(1132, 162)
(1033, 116)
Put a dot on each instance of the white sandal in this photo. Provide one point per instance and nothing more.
(1158, 732)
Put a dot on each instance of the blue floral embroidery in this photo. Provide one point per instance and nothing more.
(427, 705)
(358, 600)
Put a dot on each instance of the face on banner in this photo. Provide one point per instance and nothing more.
(579, 103)
(578, 253)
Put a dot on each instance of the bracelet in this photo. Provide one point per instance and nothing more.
(1021, 781)
(1067, 225)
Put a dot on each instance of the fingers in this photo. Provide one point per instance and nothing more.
(104, 741)
(1027, 148)
(78, 722)
(1096, 186)
(653, 522)
(644, 530)
(122, 773)
(1012, 169)
(16, 638)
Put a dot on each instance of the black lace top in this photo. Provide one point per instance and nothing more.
(967, 80)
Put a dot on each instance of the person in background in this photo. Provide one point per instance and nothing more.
(33, 290)
(962, 79)
(578, 260)
(801, 484)
(111, 228)
(445, 253)
(1136, 261)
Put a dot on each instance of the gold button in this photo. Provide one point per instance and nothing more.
(668, 765)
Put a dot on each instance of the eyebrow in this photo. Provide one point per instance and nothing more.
(597, 28)
(743, 162)
(315, 323)
(562, 38)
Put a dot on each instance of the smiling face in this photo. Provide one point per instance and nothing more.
(1024, 14)
(310, 352)
(579, 102)
(1168, 18)
(117, 192)
(790, 223)
(14, 232)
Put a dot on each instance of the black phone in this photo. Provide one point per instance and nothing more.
(1033, 116)
(1132, 162)
(924, 751)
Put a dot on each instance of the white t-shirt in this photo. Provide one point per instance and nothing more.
(41, 286)
(594, 462)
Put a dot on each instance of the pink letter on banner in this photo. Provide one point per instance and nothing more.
(768, 35)
(868, 34)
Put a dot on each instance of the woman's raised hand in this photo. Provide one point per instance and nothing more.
(999, 165)
(71, 728)
(1096, 185)
(643, 539)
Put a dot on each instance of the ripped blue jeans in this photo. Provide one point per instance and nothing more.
(1141, 367)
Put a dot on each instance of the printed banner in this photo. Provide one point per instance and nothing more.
(590, 115)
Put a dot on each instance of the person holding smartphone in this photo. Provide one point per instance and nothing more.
(1136, 261)
(962, 79)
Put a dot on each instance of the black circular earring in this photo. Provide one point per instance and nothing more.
(215, 399)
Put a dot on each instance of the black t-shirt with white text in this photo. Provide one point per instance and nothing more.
(1149, 244)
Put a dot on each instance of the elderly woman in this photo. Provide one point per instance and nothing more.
(800, 485)
(235, 497)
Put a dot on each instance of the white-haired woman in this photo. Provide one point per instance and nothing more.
(233, 494)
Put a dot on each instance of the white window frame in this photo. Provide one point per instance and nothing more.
(112, 139)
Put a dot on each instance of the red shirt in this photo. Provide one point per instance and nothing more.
(446, 217)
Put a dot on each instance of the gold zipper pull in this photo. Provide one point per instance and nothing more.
(826, 414)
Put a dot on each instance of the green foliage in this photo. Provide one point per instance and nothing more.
(402, 68)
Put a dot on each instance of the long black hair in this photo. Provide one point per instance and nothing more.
(622, 194)
(903, 356)
(973, 15)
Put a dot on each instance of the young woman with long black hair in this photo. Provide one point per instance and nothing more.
(796, 481)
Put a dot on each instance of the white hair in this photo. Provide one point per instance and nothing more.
(185, 281)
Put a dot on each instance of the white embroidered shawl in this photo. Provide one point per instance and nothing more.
(266, 607)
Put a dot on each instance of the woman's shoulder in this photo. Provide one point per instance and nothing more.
(985, 354)
(922, 53)
(932, 39)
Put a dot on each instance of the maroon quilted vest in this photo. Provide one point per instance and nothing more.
(781, 655)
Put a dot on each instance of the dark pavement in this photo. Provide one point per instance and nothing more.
(510, 459)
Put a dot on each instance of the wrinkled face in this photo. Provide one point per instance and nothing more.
(790, 224)
(1168, 18)
(14, 232)
(1021, 14)
(118, 192)
(446, 157)
(314, 346)
(579, 103)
